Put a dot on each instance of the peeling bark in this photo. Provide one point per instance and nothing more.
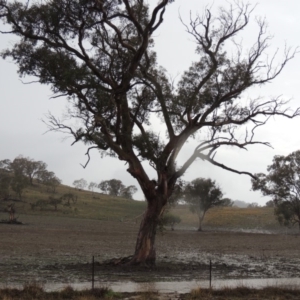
(145, 252)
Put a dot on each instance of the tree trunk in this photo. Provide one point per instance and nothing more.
(201, 218)
(172, 226)
(145, 245)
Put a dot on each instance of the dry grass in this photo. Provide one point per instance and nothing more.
(89, 205)
(34, 291)
(92, 205)
(269, 293)
(150, 293)
(260, 218)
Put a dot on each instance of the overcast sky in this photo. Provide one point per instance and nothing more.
(23, 106)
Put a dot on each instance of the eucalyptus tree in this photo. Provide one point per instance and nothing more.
(92, 185)
(80, 184)
(282, 184)
(203, 194)
(34, 168)
(19, 179)
(115, 187)
(52, 183)
(100, 55)
(112, 187)
(128, 191)
(5, 179)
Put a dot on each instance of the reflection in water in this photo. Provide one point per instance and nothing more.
(175, 286)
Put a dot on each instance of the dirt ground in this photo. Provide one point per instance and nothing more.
(60, 250)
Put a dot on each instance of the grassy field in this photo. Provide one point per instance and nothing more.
(98, 206)
(89, 205)
(259, 218)
(105, 226)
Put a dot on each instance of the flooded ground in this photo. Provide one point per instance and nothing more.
(59, 251)
(174, 287)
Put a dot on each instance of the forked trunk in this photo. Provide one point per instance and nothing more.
(145, 244)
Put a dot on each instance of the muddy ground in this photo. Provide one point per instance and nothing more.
(60, 250)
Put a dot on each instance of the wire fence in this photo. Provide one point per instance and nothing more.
(91, 271)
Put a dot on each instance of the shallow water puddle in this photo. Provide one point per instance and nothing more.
(186, 286)
(175, 286)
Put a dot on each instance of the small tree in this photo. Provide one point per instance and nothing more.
(80, 184)
(18, 183)
(19, 180)
(92, 186)
(227, 202)
(54, 201)
(104, 186)
(5, 179)
(53, 183)
(41, 204)
(49, 179)
(68, 198)
(270, 203)
(282, 184)
(169, 219)
(33, 168)
(115, 187)
(112, 187)
(203, 194)
(128, 191)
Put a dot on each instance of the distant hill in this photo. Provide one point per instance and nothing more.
(241, 204)
(86, 204)
(93, 205)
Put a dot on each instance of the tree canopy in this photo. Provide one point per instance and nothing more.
(100, 56)
(115, 187)
(282, 184)
(80, 184)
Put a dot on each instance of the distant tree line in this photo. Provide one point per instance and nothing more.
(22, 172)
(112, 187)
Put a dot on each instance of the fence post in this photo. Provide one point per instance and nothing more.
(93, 272)
(210, 268)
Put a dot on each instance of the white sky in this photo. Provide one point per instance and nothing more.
(23, 106)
